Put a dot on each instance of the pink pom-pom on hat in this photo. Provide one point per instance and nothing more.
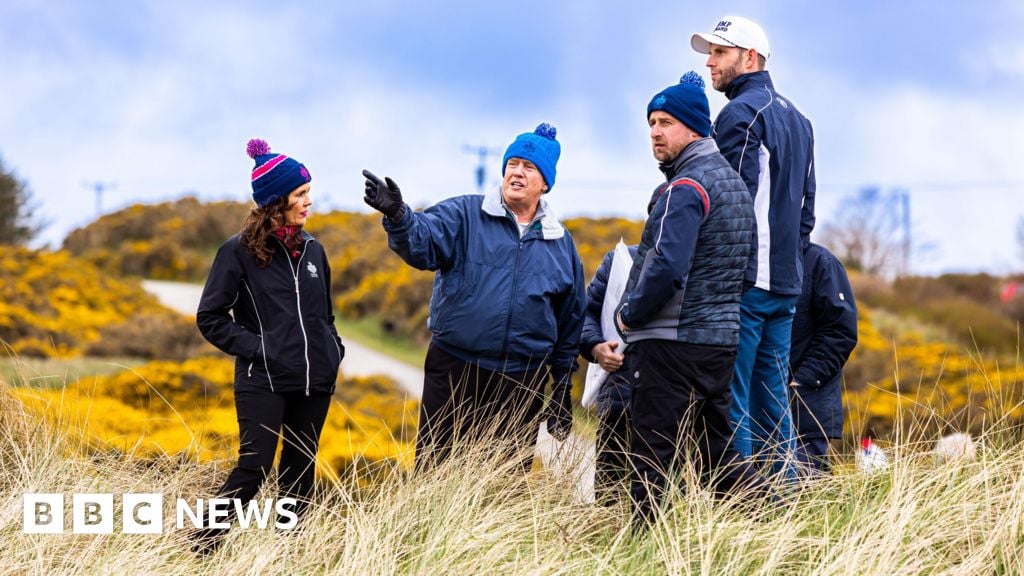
(257, 147)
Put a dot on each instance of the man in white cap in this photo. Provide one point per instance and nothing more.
(766, 139)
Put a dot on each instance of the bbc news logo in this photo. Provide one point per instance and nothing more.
(144, 513)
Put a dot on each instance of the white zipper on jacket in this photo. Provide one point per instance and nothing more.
(263, 345)
(298, 301)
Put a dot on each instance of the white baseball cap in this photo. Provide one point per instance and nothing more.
(733, 31)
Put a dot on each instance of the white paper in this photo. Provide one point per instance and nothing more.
(617, 278)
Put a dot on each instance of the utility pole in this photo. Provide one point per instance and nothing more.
(99, 188)
(481, 169)
(904, 195)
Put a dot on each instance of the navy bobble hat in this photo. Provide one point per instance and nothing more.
(687, 102)
(539, 147)
(275, 175)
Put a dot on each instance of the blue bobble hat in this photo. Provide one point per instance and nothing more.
(275, 175)
(539, 147)
(687, 102)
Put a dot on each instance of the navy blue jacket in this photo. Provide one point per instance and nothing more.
(771, 144)
(506, 303)
(276, 321)
(687, 276)
(614, 394)
(824, 335)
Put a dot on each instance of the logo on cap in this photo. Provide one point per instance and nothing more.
(723, 26)
(530, 147)
(659, 101)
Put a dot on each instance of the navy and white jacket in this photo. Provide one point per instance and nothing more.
(824, 335)
(278, 321)
(505, 301)
(687, 277)
(771, 144)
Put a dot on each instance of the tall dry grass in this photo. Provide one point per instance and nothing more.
(477, 515)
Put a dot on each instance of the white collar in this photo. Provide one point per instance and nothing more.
(551, 228)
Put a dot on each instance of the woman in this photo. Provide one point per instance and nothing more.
(267, 302)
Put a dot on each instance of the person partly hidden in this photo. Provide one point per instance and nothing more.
(611, 467)
(680, 312)
(267, 302)
(506, 310)
(824, 336)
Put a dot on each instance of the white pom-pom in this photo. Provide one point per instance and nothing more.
(955, 447)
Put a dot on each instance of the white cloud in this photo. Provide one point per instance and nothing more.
(175, 114)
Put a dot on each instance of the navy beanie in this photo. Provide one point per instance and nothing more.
(687, 102)
(539, 147)
(275, 175)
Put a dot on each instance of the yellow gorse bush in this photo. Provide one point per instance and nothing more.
(187, 408)
(170, 241)
(53, 304)
(941, 386)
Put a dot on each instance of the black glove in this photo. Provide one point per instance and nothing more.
(559, 409)
(384, 197)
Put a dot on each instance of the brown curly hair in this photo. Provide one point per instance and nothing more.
(257, 227)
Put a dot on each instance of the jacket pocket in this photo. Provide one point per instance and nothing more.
(449, 297)
(331, 344)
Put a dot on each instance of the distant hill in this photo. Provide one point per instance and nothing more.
(177, 241)
(167, 241)
(973, 310)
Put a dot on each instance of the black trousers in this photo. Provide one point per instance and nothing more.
(680, 404)
(262, 416)
(812, 454)
(465, 404)
(611, 474)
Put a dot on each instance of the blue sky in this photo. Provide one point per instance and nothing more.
(160, 98)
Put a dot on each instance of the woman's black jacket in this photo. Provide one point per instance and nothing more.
(278, 321)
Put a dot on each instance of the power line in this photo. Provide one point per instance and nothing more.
(931, 187)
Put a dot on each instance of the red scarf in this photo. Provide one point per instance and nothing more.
(291, 236)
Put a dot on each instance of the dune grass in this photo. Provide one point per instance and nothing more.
(479, 515)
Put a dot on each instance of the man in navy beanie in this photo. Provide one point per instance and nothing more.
(681, 306)
(771, 144)
(507, 307)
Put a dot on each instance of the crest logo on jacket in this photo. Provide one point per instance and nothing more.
(312, 270)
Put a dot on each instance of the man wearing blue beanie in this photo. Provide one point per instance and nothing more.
(507, 307)
(681, 306)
